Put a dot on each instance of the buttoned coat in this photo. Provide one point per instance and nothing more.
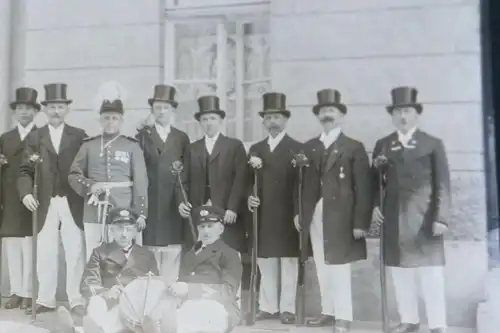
(121, 161)
(417, 195)
(54, 167)
(164, 225)
(344, 184)
(277, 182)
(108, 263)
(16, 219)
(228, 176)
(219, 268)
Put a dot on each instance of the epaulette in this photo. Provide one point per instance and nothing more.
(90, 138)
(130, 138)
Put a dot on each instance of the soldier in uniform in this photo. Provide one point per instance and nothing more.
(337, 209)
(278, 237)
(109, 162)
(162, 145)
(58, 207)
(415, 214)
(16, 226)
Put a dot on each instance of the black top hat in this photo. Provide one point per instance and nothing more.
(122, 216)
(274, 102)
(112, 106)
(56, 93)
(209, 104)
(25, 95)
(404, 97)
(164, 93)
(204, 214)
(329, 97)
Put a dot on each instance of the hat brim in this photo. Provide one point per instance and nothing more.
(16, 103)
(152, 100)
(124, 222)
(417, 106)
(286, 113)
(198, 114)
(340, 106)
(67, 101)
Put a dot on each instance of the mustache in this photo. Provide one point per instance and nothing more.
(326, 119)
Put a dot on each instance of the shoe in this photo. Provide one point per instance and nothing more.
(64, 321)
(406, 328)
(14, 302)
(263, 315)
(342, 326)
(39, 309)
(321, 321)
(26, 303)
(287, 318)
(438, 330)
(90, 326)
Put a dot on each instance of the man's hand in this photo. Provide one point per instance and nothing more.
(438, 228)
(296, 222)
(358, 233)
(377, 216)
(178, 289)
(230, 217)
(3, 159)
(185, 209)
(114, 292)
(30, 202)
(253, 202)
(97, 188)
(141, 223)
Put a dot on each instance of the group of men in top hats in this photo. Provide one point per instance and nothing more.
(340, 198)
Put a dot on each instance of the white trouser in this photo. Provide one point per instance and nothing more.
(93, 232)
(334, 280)
(59, 214)
(108, 319)
(168, 259)
(18, 251)
(406, 281)
(269, 300)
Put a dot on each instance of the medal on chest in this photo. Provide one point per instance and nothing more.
(341, 174)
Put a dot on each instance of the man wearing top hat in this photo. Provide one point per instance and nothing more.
(278, 238)
(113, 163)
(415, 213)
(163, 144)
(58, 207)
(16, 225)
(337, 209)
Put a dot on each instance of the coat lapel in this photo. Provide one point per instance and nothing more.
(170, 143)
(157, 141)
(335, 152)
(201, 152)
(117, 255)
(66, 138)
(417, 147)
(45, 139)
(316, 152)
(217, 148)
(193, 259)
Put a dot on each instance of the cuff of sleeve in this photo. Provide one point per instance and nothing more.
(442, 222)
(142, 206)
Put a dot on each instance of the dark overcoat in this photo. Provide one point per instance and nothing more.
(344, 183)
(53, 170)
(417, 194)
(164, 225)
(16, 219)
(277, 189)
(218, 266)
(227, 171)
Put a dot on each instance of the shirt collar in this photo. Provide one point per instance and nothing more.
(406, 137)
(58, 129)
(212, 139)
(333, 134)
(163, 129)
(26, 129)
(276, 139)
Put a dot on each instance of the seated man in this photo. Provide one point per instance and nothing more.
(111, 267)
(209, 279)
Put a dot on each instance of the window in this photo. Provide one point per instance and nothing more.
(227, 57)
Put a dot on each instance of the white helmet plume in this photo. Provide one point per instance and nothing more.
(110, 91)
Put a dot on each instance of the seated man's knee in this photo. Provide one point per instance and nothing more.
(97, 306)
(202, 316)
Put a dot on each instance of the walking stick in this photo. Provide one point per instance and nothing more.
(3, 161)
(300, 161)
(36, 160)
(176, 169)
(381, 163)
(256, 164)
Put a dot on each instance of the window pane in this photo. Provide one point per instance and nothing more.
(196, 50)
(257, 49)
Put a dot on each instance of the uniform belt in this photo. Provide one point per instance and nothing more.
(110, 185)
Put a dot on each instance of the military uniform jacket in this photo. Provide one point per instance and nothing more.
(53, 170)
(15, 218)
(121, 161)
(417, 195)
(165, 226)
(227, 173)
(341, 176)
(277, 184)
(108, 265)
(214, 273)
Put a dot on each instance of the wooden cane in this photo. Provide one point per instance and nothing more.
(34, 250)
(176, 169)
(303, 246)
(383, 279)
(252, 299)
